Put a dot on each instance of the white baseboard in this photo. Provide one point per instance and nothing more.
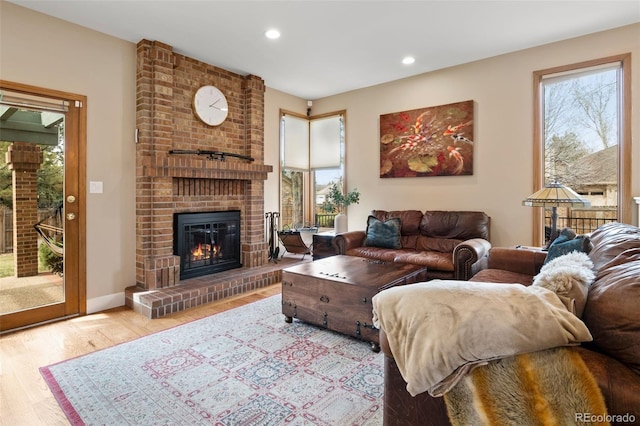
(102, 303)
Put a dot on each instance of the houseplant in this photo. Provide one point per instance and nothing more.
(336, 200)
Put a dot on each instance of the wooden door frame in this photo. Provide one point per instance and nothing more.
(75, 280)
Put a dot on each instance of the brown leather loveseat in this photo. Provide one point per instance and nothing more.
(451, 244)
(612, 314)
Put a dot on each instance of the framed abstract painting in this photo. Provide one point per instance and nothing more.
(433, 141)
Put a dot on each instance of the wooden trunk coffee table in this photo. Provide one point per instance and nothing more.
(335, 292)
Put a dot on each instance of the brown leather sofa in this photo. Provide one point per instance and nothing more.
(612, 314)
(451, 244)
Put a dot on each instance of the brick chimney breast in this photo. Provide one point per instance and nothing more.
(168, 184)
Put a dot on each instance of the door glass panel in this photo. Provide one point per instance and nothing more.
(31, 202)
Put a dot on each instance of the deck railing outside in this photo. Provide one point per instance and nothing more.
(325, 220)
(580, 225)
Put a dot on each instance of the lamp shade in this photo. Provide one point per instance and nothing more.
(555, 195)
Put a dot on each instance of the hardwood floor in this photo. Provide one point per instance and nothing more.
(25, 398)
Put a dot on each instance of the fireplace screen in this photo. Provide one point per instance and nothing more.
(207, 242)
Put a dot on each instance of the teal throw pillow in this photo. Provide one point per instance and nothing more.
(563, 245)
(383, 234)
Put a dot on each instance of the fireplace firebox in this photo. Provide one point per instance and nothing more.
(206, 242)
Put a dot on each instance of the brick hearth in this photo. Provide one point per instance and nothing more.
(197, 291)
(168, 184)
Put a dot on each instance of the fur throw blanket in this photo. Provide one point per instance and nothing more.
(440, 330)
(550, 387)
(569, 277)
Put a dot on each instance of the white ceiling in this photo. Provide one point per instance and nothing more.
(330, 47)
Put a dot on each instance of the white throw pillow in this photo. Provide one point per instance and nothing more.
(569, 276)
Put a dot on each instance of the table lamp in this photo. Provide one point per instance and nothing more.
(555, 195)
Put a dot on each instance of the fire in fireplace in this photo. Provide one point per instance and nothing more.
(206, 242)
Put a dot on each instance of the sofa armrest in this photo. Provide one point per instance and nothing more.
(348, 240)
(469, 257)
(620, 386)
(402, 409)
(521, 260)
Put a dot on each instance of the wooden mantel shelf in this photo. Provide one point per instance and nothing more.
(202, 168)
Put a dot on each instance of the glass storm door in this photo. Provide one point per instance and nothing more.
(40, 205)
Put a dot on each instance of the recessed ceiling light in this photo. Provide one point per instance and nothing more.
(408, 60)
(272, 34)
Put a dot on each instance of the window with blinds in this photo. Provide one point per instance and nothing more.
(312, 159)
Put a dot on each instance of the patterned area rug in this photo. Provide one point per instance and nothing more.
(245, 366)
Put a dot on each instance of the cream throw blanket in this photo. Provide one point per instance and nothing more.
(440, 330)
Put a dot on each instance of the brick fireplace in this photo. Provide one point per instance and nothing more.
(168, 184)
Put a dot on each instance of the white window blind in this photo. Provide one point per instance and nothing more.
(31, 102)
(296, 142)
(325, 142)
(573, 74)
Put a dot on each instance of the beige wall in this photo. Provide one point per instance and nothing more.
(39, 50)
(502, 89)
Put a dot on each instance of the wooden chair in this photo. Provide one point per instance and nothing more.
(293, 243)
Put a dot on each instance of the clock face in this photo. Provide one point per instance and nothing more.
(210, 105)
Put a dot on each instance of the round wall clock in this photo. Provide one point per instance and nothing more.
(210, 105)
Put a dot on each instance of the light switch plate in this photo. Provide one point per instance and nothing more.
(95, 187)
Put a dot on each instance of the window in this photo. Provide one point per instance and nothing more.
(582, 139)
(312, 159)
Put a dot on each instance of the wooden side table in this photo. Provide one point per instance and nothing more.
(322, 246)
